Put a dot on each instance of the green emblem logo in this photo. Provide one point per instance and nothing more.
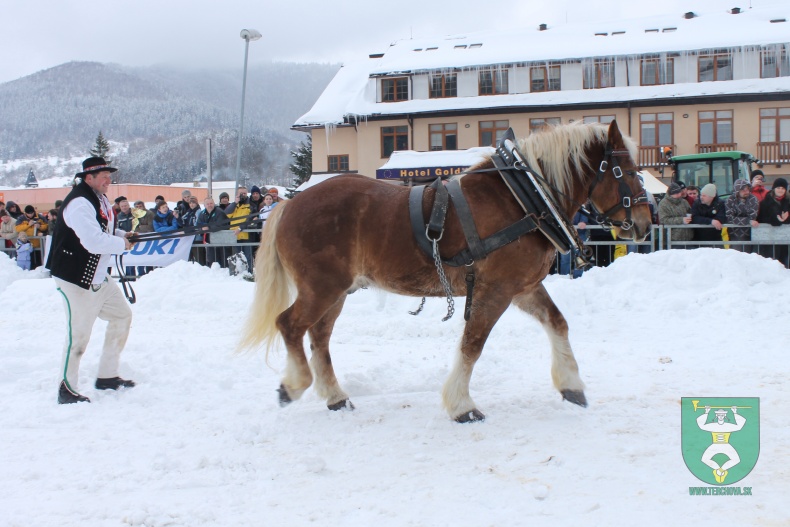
(720, 437)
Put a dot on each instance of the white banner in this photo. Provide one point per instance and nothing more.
(158, 253)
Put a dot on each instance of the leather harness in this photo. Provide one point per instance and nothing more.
(536, 200)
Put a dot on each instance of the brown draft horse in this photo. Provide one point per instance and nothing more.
(353, 231)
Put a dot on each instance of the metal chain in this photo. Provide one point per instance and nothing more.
(443, 279)
(419, 309)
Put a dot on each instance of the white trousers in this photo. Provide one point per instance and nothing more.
(83, 307)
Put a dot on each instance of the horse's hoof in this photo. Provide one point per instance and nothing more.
(345, 404)
(472, 416)
(575, 397)
(283, 397)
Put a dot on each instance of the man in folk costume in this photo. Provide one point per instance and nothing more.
(82, 246)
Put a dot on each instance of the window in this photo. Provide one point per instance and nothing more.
(605, 119)
(715, 127)
(338, 163)
(774, 145)
(492, 82)
(492, 131)
(657, 71)
(444, 86)
(715, 67)
(774, 125)
(444, 136)
(599, 74)
(539, 123)
(656, 129)
(544, 78)
(775, 63)
(393, 90)
(394, 138)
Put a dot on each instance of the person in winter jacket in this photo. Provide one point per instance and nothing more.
(266, 208)
(13, 210)
(143, 218)
(124, 216)
(213, 216)
(691, 194)
(675, 210)
(33, 224)
(8, 229)
(742, 208)
(758, 185)
(775, 210)
(24, 250)
(239, 215)
(164, 220)
(708, 210)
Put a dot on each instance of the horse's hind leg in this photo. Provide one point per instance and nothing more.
(326, 384)
(293, 323)
(564, 369)
(486, 311)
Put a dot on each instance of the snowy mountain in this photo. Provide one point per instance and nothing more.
(162, 116)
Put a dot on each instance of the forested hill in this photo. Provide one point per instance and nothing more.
(163, 115)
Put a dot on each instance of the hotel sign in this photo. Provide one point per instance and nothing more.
(421, 173)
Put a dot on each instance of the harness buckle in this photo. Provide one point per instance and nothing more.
(626, 224)
(627, 202)
(427, 230)
(617, 171)
(604, 166)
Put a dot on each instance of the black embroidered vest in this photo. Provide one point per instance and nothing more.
(68, 259)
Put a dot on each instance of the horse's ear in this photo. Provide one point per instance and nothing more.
(615, 138)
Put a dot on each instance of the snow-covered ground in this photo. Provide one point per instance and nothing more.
(202, 441)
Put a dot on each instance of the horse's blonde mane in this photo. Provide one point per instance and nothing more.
(552, 153)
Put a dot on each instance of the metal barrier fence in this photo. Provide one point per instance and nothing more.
(766, 240)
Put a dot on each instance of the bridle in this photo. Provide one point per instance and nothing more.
(628, 199)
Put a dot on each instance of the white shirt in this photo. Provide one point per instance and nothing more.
(80, 215)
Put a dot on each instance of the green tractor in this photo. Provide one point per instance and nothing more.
(719, 168)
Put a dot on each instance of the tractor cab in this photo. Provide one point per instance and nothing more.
(719, 168)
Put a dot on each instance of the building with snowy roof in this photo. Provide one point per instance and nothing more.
(694, 82)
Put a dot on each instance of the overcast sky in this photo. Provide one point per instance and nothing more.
(39, 34)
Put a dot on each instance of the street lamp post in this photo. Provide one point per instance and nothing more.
(247, 35)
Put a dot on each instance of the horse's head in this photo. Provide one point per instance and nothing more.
(616, 192)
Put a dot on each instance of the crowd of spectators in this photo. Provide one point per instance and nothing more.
(22, 230)
(706, 214)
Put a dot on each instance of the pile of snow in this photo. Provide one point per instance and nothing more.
(202, 441)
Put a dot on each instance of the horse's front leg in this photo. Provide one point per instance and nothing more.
(487, 307)
(564, 369)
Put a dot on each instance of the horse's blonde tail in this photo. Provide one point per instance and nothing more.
(272, 290)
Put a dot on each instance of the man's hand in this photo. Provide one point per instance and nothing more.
(755, 223)
(717, 224)
(128, 244)
(707, 410)
(734, 410)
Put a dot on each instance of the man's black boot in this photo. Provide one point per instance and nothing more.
(113, 383)
(66, 396)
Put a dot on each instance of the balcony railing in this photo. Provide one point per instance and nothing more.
(652, 156)
(778, 152)
(718, 147)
